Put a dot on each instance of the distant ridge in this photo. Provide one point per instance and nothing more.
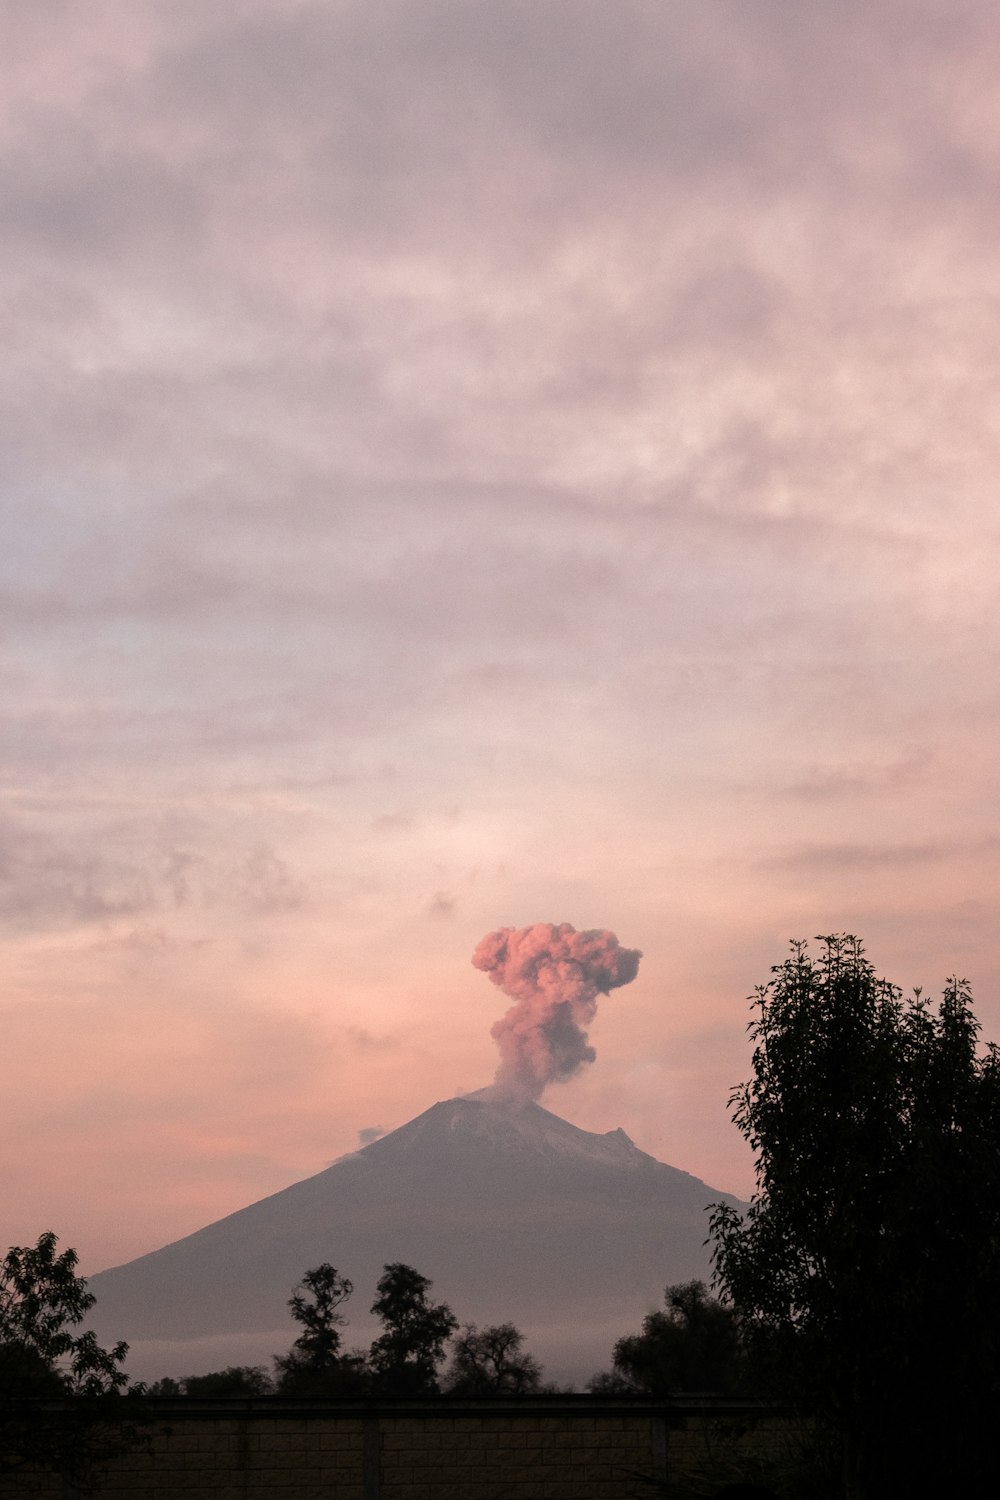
(512, 1211)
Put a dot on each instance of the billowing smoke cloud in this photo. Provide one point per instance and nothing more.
(554, 975)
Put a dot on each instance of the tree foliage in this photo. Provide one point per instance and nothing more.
(405, 1357)
(492, 1362)
(234, 1380)
(315, 1364)
(315, 1304)
(694, 1343)
(43, 1353)
(42, 1300)
(868, 1262)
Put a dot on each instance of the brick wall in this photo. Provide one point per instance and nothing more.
(513, 1456)
(551, 1448)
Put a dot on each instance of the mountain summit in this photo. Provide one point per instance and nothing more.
(486, 1122)
(513, 1212)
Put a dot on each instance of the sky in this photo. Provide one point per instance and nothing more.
(467, 466)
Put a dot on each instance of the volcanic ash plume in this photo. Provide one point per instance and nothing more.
(554, 975)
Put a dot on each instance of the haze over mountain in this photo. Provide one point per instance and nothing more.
(512, 1211)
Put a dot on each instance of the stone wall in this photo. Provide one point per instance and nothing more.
(550, 1448)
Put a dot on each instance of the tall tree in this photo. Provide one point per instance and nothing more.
(43, 1353)
(406, 1355)
(42, 1302)
(315, 1365)
(868, 1262)
(492, 1362)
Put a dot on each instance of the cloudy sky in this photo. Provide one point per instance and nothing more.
(468, 465)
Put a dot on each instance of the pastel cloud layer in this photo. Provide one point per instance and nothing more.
(464, 466)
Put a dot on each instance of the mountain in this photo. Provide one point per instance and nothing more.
(514, 1213)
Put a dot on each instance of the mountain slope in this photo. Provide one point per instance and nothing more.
(512, 1211)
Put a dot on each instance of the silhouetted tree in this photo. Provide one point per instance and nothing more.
(315, 1364)
(319, 1343)
(165, 1386)
(43, 1353)
(693, 1344)
(42, 1300)
(869, 1259)
(611, 1383)
(234, 1380)
(405, 1356)
(491, 1362)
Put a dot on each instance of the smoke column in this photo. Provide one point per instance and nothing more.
(554, 975)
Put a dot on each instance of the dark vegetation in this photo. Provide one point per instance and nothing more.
(858, 1289)
(492, 1362)
(316, 1364)
(404, 1360)
(695, 1344)
(865, 1272)
(43, 1353)
(405, 1356)
(234, 1380)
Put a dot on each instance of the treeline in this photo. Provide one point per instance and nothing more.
(694, 1343)
(405, 1359)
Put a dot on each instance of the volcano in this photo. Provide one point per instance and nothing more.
(515, 1214)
